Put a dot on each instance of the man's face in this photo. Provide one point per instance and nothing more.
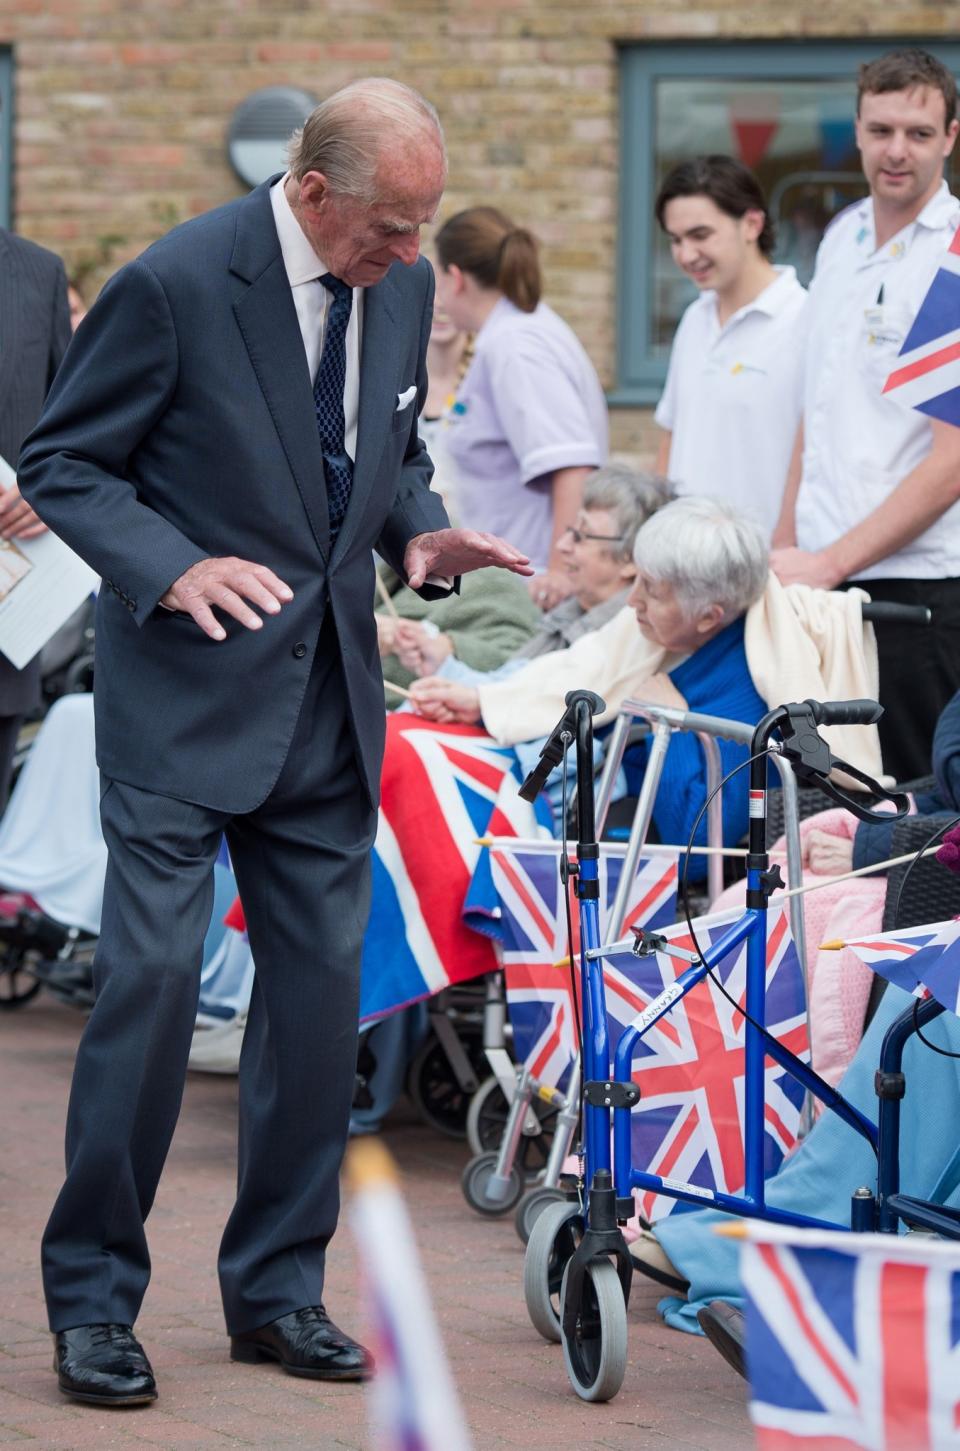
(709, 246)
(904, 140)
(360, 241)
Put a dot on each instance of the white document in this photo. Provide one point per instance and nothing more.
(42, 582)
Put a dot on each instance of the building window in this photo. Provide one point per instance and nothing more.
(785, 110)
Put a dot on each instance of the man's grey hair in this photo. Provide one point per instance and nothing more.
(346, 136)
(631, 496)
(708, 552)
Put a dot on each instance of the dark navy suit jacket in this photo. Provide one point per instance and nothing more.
(34, 333)
(182, 425)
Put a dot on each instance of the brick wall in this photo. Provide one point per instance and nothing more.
(122, 106)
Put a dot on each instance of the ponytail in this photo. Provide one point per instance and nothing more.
(485, 244)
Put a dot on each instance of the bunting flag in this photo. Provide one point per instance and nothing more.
(533, 929)
(921, 960)
(412, 1399)
(852, 1341)
(927, 375)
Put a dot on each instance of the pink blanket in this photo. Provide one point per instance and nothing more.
(838, 982)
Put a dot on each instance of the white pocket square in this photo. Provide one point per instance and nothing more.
(405, 398)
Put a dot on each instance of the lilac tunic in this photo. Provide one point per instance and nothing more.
(530, 404)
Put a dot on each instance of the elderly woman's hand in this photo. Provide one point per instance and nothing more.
(386, 635)
(549, 588)
(660, 690)
(421, 649)
(445, 701)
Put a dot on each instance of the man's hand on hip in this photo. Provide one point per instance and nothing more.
(227, 584)
(458, 551)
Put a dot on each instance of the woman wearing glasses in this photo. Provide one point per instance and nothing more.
(530, 420)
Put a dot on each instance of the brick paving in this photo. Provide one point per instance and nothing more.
(678, 1394)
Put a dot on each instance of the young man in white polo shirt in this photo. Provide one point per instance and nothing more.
(732, 400)
(874, 485)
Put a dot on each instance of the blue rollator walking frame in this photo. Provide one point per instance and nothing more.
(577, 1270)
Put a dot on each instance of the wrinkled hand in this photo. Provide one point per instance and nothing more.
(226, 584)
(659, 689)
(828, 855)
(549, 588)
(458, 551)
(445, 701)
(17, 519)
(802, 566)
(419, 649)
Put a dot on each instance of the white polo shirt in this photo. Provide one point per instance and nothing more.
(858, 444)
(733, 397)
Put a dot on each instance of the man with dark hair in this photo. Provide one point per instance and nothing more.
(874, 486)
(732, 398)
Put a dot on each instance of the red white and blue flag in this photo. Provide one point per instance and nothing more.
(533, 930)
(927, 375)
(443, 787)
(921, 960)
(853, 1341)
(690, 1066)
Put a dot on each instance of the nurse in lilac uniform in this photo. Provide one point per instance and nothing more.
(529, 422)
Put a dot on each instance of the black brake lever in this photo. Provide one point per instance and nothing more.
(899, 799)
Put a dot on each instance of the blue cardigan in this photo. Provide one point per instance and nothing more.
(714, 681)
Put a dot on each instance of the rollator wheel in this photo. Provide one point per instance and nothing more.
(475, 1183)
(596, 1354)
(487, 1119)
(532, 1205)
(434, 1088)
(553, 1239)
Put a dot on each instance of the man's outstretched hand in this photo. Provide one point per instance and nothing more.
(458, 551)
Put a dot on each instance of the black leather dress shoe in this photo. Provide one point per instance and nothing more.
(103, 1364)
(725, 1327)
(305, 1342)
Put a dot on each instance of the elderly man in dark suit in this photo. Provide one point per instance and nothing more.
(34, 332)
(233, 434)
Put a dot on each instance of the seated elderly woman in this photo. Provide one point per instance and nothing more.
(699, 568)
(493, 623)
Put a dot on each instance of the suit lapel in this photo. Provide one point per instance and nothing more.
(12, 304)
(268, 324)
(377, 400)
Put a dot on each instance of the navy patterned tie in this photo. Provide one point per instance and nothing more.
(328, 402)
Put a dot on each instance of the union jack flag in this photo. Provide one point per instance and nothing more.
(534, 934)
(853, 1341)
(927, 375)
(924, 961)
(443, 787)
(688, 1125)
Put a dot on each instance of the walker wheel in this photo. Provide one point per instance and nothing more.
(475, 1183)
(487, 1120)
(596, 1354)
(532, 1205)
(554, 1237)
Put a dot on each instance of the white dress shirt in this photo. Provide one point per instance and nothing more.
(312, 301)
(859, 444)
(733, 397)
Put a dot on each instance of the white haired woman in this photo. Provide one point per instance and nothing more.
(700, 566)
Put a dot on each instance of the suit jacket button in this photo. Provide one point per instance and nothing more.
(131, 604)
(299, 650)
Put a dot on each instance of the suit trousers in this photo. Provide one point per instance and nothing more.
(302, 865)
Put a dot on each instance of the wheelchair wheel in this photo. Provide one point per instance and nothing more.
(487, 1119)
(596, 1354)
(475, 1182)
(17, 985)
(532, 1205)
(553, 1238)
(435, 1089)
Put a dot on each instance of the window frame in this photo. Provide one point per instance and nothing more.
(640, 376)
